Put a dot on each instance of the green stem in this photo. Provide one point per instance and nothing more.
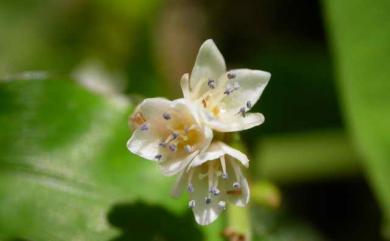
(239, 227)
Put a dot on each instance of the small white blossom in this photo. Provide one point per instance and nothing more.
(224, 98)
(213, 179)
(168, 132)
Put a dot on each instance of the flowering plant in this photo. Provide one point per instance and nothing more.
(178, 135)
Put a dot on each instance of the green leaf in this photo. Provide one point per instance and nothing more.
(360, 38)
(65, 170)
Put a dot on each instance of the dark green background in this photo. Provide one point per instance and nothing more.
(65, 172)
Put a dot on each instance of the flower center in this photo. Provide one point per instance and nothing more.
(215, 92)
(178, 133)
(181, 136)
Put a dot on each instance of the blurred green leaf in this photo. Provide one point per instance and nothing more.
(64, 164)
(360, 36)
(301, 157)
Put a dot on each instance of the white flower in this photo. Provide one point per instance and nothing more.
(223, 98)
(168, 132)
(213, 179)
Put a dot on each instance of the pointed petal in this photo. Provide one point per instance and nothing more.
(250, 85)
(204, 213)
(231, 123)
(240, 199)
(185, 86)
(244, 87)
(173, 166)
(209, 64)
(236, 154)
(145, 142)
(214, 151)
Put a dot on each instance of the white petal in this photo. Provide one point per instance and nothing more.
(214, 151)
(231, 123)
(153, 107)
(242, 198)
(250, 85)
(245, 87)
(145, 143)
(185, 86)
(204, 213)
(173, 166)
(180, 184)
(236, 154)
(209, 64)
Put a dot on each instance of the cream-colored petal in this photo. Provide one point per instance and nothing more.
(185, 86)
(175, 165)
(152, 108)
(229, 123)
(149, 113)
(152, 119)
(240, 198)
(246, 87)
(204, 213)
(209, 65)
(214, 151)
(144, 144)
(235, 154)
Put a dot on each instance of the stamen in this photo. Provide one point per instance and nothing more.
(190, 188)
(223, 165)
(204, 103)
(211, 83)
(215, 191)
(211, 176)
(166, 116)
(187, 129)
(237, 172)
(248, 104)
(174, 135)
(208, 200)
(171, 137)
(138, 119)
(144, 127)
(236, 185)
(191, 204)
(222, 205)
(231, 75)
(242, 111)
(163, 144)
(158, 157)
(172, 147)
(188, 148)
(229, 89)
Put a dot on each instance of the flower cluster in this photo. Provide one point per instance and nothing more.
(179, 135)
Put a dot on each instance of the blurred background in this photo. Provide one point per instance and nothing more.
(72, 70)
